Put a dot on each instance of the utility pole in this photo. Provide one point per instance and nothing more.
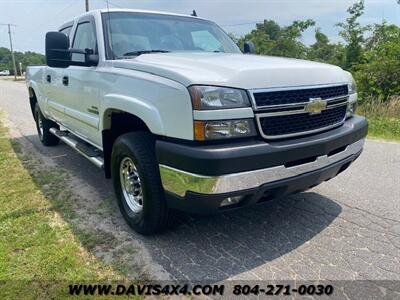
(11, 48)
(87, 5)
(12, 52)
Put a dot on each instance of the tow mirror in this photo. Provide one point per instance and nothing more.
(88, 58)
(57, 50)
(58, 53)
(91, 59)
(249, 47)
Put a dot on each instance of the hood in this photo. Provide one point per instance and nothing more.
(235, 70)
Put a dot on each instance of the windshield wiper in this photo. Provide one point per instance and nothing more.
(137, 53)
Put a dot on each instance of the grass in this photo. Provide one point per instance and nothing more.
(40, 253)
(383, 118)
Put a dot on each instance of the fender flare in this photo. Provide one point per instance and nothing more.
(33, 91)
(143, 110)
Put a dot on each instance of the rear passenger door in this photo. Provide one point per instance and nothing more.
(81, 85)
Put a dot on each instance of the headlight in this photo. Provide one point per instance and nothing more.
(215, 130)
(352, 105)
(213, 97)
(352, 86)
(351, 109)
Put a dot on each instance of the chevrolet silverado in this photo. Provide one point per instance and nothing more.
(180, 118)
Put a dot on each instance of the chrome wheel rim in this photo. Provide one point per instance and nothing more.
(131, 185)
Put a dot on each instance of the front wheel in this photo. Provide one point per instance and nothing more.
(137, 183)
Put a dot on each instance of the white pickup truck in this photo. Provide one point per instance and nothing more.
(181, 119)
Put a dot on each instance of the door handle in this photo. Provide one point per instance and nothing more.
(48, 78)
(65, 80)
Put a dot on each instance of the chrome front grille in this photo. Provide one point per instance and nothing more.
(284, 113)
(297, 96)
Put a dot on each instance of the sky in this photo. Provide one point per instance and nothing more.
(33, 18)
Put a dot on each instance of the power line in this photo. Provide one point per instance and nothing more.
(54, 17)
(113, 4)
(240, 24)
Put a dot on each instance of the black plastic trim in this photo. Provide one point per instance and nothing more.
(246, 156)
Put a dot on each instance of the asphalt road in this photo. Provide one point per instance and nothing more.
(347, 228)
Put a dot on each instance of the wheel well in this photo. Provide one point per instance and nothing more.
(32, 100)
(117, 123)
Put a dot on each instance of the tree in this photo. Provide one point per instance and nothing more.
(26, 58)
(371, 53)
(353, 33)
(272, 39)
(379, 75)
(233, 37)
(322, 50)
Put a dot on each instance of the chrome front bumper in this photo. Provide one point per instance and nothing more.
(179, 182)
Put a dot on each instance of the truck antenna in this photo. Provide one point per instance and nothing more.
(194, 14)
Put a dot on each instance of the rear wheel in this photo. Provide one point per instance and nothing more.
(137, 183)
(43, 126)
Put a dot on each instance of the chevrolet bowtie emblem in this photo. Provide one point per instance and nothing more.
(315, 106)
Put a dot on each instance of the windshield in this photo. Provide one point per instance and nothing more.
(131, 34)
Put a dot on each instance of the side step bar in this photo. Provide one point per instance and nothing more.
(83, 149)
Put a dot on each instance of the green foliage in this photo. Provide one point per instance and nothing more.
(353, 33)
(383, 117)
(322, 50)
(370, 53)
(379, 73)
(272, 39)
(26, 58)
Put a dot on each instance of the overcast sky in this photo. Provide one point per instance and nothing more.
(35, 17)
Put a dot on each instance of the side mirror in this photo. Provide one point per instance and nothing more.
(87, 58)
(91, 59)
(249, 47)
(57, 50)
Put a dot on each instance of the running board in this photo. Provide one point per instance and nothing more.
(91, 154)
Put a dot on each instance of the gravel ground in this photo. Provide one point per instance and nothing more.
(347, 228)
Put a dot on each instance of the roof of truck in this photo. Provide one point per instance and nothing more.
(105, 10)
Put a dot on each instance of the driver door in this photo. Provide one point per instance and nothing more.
(81, 85)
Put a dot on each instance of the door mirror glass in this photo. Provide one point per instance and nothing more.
(249, 47)
(57, 54)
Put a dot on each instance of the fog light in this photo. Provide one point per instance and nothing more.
(231, 201)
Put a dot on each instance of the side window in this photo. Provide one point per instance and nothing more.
(66, 30)
(204, 40)
(85, 37)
